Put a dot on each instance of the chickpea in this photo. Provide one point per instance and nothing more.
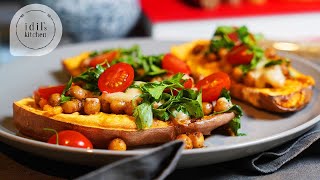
(222, 52)
(197, 49)
(187, 141)
(54, 99)
(42, 102)
(72, 106)
(117, 144)
(129, 108)
(105, 105)
(207, 108)
(91, 105)
(222, 104)
(36, 98)
(211, 57)
(118, 107)
(156, 79)
(197, 139)
(237, 74)
(270, 52)
(250, 79)
(78, 92)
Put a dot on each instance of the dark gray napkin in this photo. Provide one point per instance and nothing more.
(157, 164)
(162, 161)
(268, 162)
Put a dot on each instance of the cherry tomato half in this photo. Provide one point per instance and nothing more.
(239, 55)
(234, 37)
(45, 92)
(109, 56)
(174, 65)
(116, 78)
(212, 86)
(72, 139)
(188, 83)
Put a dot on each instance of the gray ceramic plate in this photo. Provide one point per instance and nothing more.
(264, 130)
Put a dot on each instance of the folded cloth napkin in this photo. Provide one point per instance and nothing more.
(160, 162)
(157, 164)
(268, 162)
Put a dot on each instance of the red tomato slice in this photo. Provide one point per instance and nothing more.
(212, 86)
(234, 37)
(109, 56)
(239, 55)
(45, 92)
(72, 139)
(117, 78)
(188, 84)
(174, 65)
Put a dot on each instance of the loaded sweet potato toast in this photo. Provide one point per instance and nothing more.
(259, 76)
(135, 100)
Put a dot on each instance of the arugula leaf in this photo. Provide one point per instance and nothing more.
(222, 30)
(193, 107)
(235, 123)
(221, 40)
(187, 101)
(93, 54)
(258, 54)
(276, 62)
(245, 37)
(63, 97)
(134, 50)
(226, 94)
(143, 115)
(155, 89)
(90, 78)
(161, 114)
(218, 42)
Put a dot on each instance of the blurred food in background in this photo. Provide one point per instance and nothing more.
(84, 20)
(209, 4)
(87, 20)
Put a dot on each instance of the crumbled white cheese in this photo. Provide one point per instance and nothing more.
(127, 96)
(180, 115)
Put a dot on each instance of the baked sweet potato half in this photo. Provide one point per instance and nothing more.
(101, 128)
(73, 64)
(259, 77)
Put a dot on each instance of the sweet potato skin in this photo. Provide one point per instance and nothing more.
(31, 121)
(294, 101)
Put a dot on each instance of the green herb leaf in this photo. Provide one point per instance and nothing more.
(222, 30)
(276, 62)
(93, 54)
(235, 123)
(258, 54)
(155, 89)
(143, 115)
(187, 101)
(90, 78)
(226, 94)
(63, 97)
